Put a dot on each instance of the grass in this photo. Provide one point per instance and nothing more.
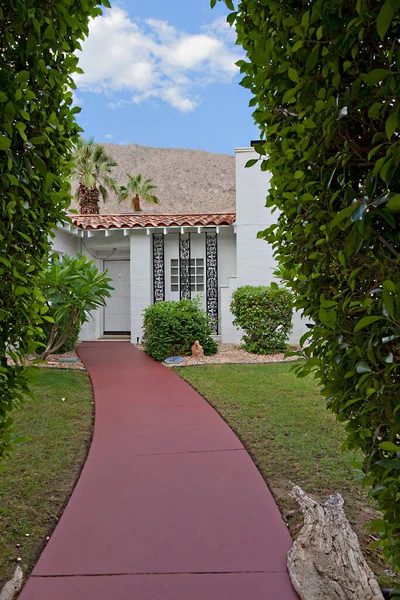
(41, 474)
(284, 424)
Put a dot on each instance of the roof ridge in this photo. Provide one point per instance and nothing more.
(143, 214)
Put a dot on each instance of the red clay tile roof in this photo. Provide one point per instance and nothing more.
(153, 220)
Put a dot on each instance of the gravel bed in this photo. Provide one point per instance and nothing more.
(231, 354)
(52, 362)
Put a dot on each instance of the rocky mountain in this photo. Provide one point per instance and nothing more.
(188, 181)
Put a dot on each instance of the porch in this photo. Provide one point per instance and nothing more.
(151, 258)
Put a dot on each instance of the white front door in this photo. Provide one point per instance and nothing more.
(117, 316)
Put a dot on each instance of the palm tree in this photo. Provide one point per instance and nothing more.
(92, 169)
(138, 188)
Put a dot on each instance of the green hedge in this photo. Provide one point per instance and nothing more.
(170, 329)
(38, 63)
(265, 315)
(324, 80)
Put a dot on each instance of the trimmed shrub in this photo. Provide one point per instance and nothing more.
(170, 329)
(265, 315)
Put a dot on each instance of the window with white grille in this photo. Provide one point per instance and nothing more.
(174, 275)
(196, 275)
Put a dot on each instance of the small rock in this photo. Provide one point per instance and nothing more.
(27, 534)
(19, 559)
(18, 545)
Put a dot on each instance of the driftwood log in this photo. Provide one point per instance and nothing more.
(326, 560)
(13, 586)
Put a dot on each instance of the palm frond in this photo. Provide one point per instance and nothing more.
(137, 186)
(92, 167)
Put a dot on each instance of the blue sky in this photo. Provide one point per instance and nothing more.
(162, 74)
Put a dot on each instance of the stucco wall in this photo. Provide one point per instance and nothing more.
(65, 243)
(255, 261)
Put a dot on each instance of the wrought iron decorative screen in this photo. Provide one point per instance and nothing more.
(184, 265)
(212, 278)
(158, 268)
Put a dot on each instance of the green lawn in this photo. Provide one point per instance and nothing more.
(291, 436)
(42, 472)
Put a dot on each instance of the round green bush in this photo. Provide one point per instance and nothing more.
(265, 315)
(170, 329)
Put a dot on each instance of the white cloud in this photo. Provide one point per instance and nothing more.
(153, 59)
(76, 100)
(109, 136)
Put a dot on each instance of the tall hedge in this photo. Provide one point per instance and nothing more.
(325, 79)
(38, 39)
(265, 315)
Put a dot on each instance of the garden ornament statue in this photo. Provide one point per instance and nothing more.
(197, 350)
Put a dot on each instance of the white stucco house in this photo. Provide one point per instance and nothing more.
(153, 257)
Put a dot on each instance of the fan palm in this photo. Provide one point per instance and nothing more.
(93, 170)
(138, 189)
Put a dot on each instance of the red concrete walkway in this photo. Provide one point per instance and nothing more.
(169, 505)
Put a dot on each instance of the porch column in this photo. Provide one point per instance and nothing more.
(158, 268)
(141, 296)
(184, 265)
(212, 303)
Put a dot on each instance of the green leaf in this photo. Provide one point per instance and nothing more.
(251, 162)
(388, 302)
(375, 110)
(312, 60)
(260, 149)
(389, 464)
(342, 215)
(22, 76)
(3, 97)
(21, 128)
(37, 140)
(363, 367)
(297, 45)
(365, 321)
(299, 174)
(290, 21)
(39, 164)
(389, 447)
(391, 124)
(384, 19)
(289, 95)
(376, 76)
(394, 203)
(9, 111)
(5, 142)
(293, 75)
